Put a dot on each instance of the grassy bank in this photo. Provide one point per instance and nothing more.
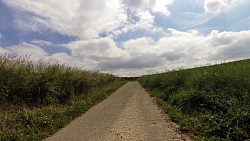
(38, 98)
(210, 103)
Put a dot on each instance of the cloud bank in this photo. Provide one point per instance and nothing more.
(144, 55)
(98, 25)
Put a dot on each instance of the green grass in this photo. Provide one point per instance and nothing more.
(38, 98)
(210, 103)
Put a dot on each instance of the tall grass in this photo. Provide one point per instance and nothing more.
(44, 82)
(211, 103)
(38, 98)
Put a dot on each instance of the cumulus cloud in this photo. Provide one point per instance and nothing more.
(145, 23)
(131, 63)
(25, 48)
(35, 53)
(144, 55)
(143, 11)
(73, 61)
(159, 6)
(139, 5)
(29, 51)
(96, 23)
(230, 45)
(140, 44)
(88, 19)
(82, 18)
(218, 6)
(174, 50)
(214, 6)
(103, 47)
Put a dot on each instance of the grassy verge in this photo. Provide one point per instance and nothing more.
(38, 98)
(210, 103)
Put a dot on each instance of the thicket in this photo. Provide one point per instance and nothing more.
(211, 103)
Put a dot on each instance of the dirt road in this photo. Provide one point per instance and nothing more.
(129, 114)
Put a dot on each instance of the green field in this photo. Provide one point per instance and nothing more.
(209, 103)
(38, 98)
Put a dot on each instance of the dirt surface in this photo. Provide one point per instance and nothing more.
(129, 114)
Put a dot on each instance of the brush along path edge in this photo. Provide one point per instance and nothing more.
(129, 114)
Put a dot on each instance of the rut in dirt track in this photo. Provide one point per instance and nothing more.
(129, 114)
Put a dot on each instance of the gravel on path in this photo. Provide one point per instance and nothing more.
(129, 114)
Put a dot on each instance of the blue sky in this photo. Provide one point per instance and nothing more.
(127, 37)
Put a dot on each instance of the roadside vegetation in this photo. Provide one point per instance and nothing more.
(209, 103)
(38, 98)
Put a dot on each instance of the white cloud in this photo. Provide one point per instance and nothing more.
(41, 43)
(82, 18)
(25, 48)
(34, 24)
(230, 45)
(214, 6)
(145, 22)
(142, 42)
(73, 61)
(143, 10)
(139, 5)
(87, 19)
(1, 36)
(144, 55)
(96, 48)
(4, 51)
(218, 6)
(176, 49)
(159, 6)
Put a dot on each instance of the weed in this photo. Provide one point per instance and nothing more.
(38, 98)
(211, 103)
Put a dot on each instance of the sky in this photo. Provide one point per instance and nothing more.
(127, 37)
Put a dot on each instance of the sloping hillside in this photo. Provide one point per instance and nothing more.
(211, 103)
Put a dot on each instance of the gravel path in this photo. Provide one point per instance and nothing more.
(129, 114)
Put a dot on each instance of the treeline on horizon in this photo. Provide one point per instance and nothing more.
(210, 103)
